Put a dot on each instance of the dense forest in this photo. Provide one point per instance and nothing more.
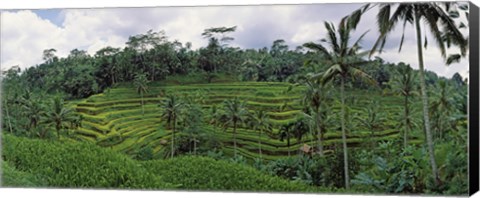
(321, 117)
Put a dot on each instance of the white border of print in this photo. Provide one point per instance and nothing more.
(51, 193)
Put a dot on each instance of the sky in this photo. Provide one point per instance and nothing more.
(26, 33)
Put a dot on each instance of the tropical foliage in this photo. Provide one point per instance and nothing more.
(321, 117)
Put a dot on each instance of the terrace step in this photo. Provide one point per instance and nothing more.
(117, 113)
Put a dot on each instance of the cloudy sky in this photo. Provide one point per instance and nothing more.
(26, 33)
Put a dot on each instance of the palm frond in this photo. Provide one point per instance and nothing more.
(354, 18)
(356, 44)
(454, 58)
(332, 37)
(451, 31)
(311, 76)
(319, 48)
(331, 73)
(383, 17)
(383, 27)
(431, 21)
(357, 73)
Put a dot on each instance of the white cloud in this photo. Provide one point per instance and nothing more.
(25, 35)
(308, 31)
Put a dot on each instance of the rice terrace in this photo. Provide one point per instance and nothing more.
(115, 118)
(329, 115)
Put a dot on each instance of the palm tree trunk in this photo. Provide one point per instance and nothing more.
(194, 146)
(112, 73)
(113, 78)
(42, 133)
(153, 73)
(58, 131)
(405, 132)
(288, 145)
(425, 101)
(320, 139)
(173, 136)
(372, 136)
(260, 144)
(8, 115)
(143, 111)
(344, 138)
(234, 139)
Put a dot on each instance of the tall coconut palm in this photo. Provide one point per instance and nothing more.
(7, 114)
(140, 83)
(438, 17)
(171, 110)
(404, 83)
(287, 132)
(58, 115)
(235, 113)
(192, 119)
(374, 118)
(260, 121)
(316, 122)
(315, 98)
(344, 60)
(34, 110)
(441, 108)
(214, 117)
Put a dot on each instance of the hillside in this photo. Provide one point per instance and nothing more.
(114, 119)
(41, 163)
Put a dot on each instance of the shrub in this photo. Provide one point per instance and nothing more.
(77, 165)
(145, 153)
(396, 170)
(203, 173)
(319, 171)
(15, 178)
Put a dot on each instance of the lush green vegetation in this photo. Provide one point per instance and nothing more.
(160, 115)
(74, 164)
(203, 173)
(11, 177)
(41, 163)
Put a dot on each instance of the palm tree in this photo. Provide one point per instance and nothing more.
(7, 113)
(442, 108)
(259, 120)
(404, 84)
(34, 110)
(445, 32)
(315, 99)
(373, 120)
(171, 110)
(58, 115)
(286, 132)
(314, 117)
(235, 113)
(140, 83)
(192, 119)
(214, 117)
(344, 60)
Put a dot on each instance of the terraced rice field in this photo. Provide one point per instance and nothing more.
(114, 119)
